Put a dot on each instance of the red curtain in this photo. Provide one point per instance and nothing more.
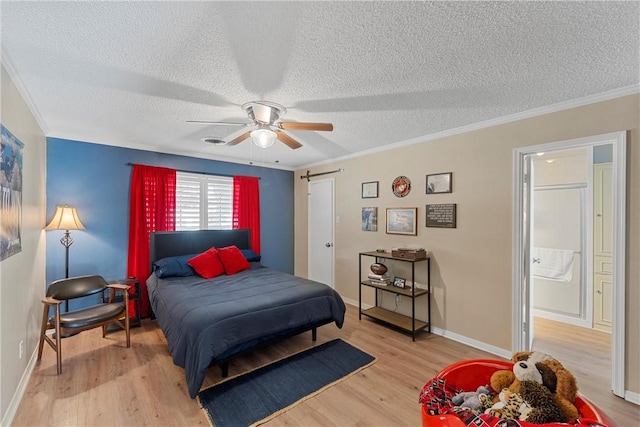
(152, 207)
(246, 207)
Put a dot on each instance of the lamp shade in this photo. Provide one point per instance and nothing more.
(65, 218)
(263, 138)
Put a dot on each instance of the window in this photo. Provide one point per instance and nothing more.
(203, 202)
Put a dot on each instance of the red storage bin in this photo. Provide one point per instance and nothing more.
(468, 375)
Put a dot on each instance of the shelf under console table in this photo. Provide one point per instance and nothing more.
(400, 321)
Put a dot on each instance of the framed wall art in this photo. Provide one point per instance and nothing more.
(11, 190)
(402, 221)
(439, 183)
(401, 186)
(441, 215)
(370, 190)
(369, 219)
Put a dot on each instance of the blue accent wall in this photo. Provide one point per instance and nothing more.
(95, 179)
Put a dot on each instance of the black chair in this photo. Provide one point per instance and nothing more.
(75, 321)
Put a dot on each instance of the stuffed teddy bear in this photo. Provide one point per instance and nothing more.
(471, 399)
(556, 378)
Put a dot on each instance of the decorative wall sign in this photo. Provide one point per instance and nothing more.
(402, 221)
(370, 190)
(11, 192)
(401, 186)
(439, 183)
(369, 219)
(441, 215)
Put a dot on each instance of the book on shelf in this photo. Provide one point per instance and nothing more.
(379, 279)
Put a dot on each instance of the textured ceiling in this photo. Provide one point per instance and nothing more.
(132, 73)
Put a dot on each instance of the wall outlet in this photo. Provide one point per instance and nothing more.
(398, 298)
(21, 350)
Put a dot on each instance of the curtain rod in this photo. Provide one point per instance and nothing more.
(188, 171)
(309, 176)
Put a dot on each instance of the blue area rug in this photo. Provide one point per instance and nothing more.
(259, 395)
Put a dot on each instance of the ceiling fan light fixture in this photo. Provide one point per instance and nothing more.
(263, 138)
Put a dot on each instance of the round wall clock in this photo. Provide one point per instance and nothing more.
(401, 186)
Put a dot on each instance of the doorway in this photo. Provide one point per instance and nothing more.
(523, 233)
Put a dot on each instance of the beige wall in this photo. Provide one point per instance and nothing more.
(22, 276)
(471, 265)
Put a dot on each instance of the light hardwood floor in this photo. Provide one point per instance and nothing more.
(105, 384)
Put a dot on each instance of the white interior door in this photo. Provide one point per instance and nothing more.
(321, 214)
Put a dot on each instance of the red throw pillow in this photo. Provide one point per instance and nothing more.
(207, 264)
(233, 260)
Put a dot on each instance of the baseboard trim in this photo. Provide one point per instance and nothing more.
(632, 397)
(506, 354)
(563, 318)
(7, 418)
(452, 336)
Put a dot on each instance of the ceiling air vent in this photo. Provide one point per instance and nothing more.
(214, 141)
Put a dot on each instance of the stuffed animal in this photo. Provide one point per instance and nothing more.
(471, 399)
(507, 378)
(509, 406)
(560, 382)
(540, 407)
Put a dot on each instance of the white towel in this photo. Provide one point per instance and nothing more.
(553, 264)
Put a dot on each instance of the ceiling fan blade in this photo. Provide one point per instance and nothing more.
(204, 122)
(305, 126)
(288, 141)
(240, 138)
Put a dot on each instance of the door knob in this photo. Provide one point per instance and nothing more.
(328, 245)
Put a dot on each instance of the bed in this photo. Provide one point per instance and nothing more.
(208, 321)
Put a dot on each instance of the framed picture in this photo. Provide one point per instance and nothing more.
(370, 190)
(369, 219)
(399, 282)
(439, 183)
(402, 221)
(441, 215)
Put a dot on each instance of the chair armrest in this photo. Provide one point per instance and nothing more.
(51, 301)
(115, 287)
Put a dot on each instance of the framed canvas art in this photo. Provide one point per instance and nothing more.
(369, 219)
(402, 221)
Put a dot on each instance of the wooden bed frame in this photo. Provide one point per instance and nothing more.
(173, 243)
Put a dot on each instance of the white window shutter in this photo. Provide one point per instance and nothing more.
(203, 202)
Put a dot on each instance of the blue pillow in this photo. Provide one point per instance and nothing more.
(250, 255)
(175, 266)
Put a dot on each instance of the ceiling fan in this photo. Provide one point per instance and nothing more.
(265, 117)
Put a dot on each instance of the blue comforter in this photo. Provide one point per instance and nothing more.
(208, 321)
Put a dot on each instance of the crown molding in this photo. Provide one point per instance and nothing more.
(7, 63)
(566, 105)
